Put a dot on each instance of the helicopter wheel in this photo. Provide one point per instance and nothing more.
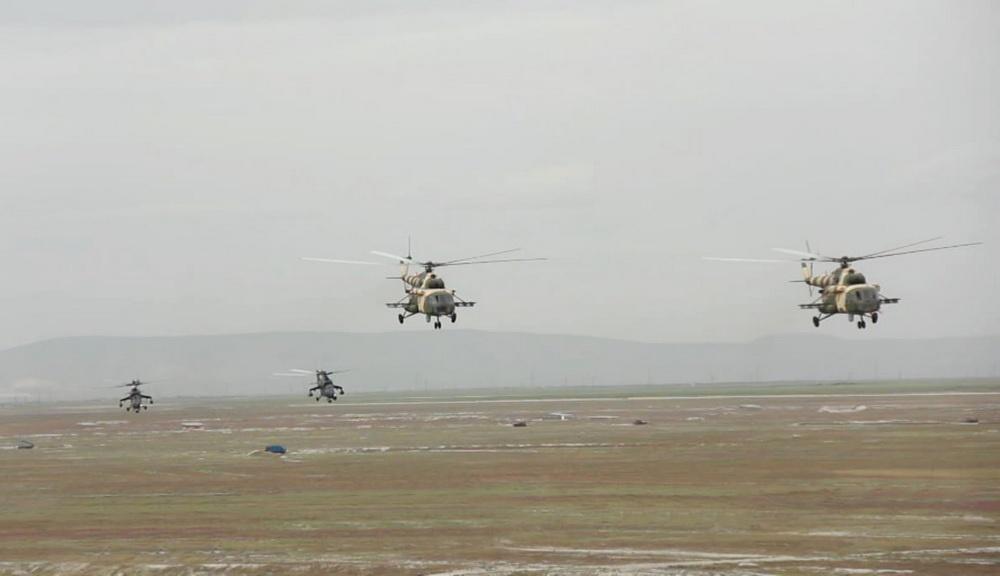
(874, 317)
(401, 318)
(329, 400)
(816, 321)
(317, 398)
(454, 317)
(861, 324)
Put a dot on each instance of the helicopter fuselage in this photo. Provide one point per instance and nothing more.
(858, 299)
(329, 391)
(845, 291)
(427, 295)
(436, 302)
(134, 400)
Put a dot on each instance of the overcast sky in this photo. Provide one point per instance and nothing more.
(165, 164)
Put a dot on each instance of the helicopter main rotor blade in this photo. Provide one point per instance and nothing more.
(921, 250)
(901, 247)
(480, 256)
(296, 375)
(335, 261)
(488, 261)
(805, 255)
(400, 259)
(758, 260)
(301, 371)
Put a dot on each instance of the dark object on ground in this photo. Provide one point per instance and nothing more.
(640, 423)
(520, 424)
(24, 445)
(275, 449)
(971, 420)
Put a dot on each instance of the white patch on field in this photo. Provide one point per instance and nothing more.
(843, 409)
(870, 571)
(712, 557)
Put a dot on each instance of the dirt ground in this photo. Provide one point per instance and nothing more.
(768, 482)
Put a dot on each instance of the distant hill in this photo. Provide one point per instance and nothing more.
(243, 363)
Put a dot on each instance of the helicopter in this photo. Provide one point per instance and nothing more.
(425, 292)
(135, 397)
(324, 388)
(845, 290)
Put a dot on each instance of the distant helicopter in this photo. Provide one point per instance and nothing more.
(135, 397)
(425, 292)
(845, 290)
(324, 387)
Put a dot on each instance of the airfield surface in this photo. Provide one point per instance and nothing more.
(796, 480)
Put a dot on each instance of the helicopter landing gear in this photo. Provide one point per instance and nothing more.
(437, 324)
(329, 400)
(317, 398)
(874, 317)
(401, 318)
(861, 325)
(454, 317)
(818, 319)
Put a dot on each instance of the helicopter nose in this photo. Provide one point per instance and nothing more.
(444, 304)
(870, 299)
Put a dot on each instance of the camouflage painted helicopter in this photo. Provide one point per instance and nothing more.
(845, 290)
(324, 388)
(135, 397)
(425, 292)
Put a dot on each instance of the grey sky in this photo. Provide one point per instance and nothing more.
(164, 164)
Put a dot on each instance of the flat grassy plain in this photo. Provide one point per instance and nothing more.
(735, 480)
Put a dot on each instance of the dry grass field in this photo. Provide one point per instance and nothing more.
(734, 481)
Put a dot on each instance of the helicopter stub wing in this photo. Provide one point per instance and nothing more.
(889, 300)
(810, 306)
(396, 304)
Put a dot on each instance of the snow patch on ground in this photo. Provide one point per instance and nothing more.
(843, 409)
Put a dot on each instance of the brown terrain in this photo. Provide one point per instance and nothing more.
(770, 482)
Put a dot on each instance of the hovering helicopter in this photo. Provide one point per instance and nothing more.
(845, 290)
(425, 292)
(135, 397)
(324, 388)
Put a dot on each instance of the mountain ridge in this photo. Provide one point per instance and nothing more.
(224, 364)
